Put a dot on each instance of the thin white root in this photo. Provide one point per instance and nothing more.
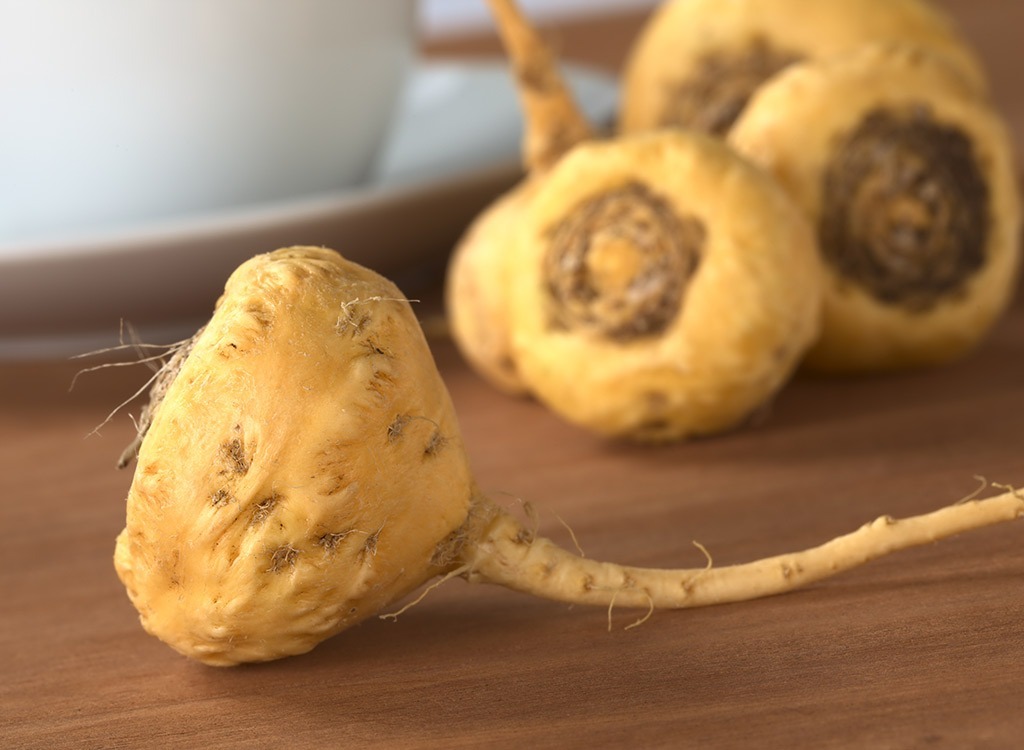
(707, 555)
(692, 580)
(163, 352)
(145, 386)
(572, 535)
(531, 513)
(646, 617)
(444, 579)
(611, 606)
(982, 486)
(1009, 488)
(636, 623)
(107, 365)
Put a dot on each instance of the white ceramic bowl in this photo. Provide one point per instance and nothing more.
(116, 112)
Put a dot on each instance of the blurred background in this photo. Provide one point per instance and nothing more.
(418, 90)
(446, 18)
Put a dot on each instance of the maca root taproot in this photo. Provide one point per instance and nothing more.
(652, 287)
(276, 501)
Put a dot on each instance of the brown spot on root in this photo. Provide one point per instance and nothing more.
(228, 350)
(370, 545)
(233, 456)
(905, 211)
(524, 536)
(712, 98)
(788, 571)
(373, 348)
(508, 365)
(220, 498)
(333, 485)
(352, 322)
(283, 557)
(261, 314)
(172, 567)
(330, 541)
(618, 265)
(397, 426)
(435, 443)
(380, 383)
(263, 509)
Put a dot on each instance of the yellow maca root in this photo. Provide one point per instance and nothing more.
(651, 287)
(662, 288)
(304, 470)
(262, 517)
(910, 180)
(697, 62)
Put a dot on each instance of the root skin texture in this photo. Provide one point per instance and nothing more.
(505, 556)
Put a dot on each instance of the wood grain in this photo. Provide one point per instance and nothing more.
(920, 650)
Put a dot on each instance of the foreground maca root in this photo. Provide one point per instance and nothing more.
(697, 63)
(303, 470)
(650, 288)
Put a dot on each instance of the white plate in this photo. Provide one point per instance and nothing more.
(454, 147)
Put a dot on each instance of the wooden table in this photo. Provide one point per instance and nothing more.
(919, 650)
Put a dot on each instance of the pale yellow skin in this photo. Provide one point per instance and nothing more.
(476, 290)
(681, 33)
(748, 313)
(791, 127)
(289, 400)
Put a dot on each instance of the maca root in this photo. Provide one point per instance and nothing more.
(653, 287)
(907, 176)
(278, 500)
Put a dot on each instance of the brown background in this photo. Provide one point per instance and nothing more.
(920, 650)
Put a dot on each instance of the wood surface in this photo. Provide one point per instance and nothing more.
(919, 650)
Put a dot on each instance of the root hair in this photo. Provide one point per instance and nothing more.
(443, 579)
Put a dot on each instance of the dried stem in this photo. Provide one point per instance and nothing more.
(554, 122)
